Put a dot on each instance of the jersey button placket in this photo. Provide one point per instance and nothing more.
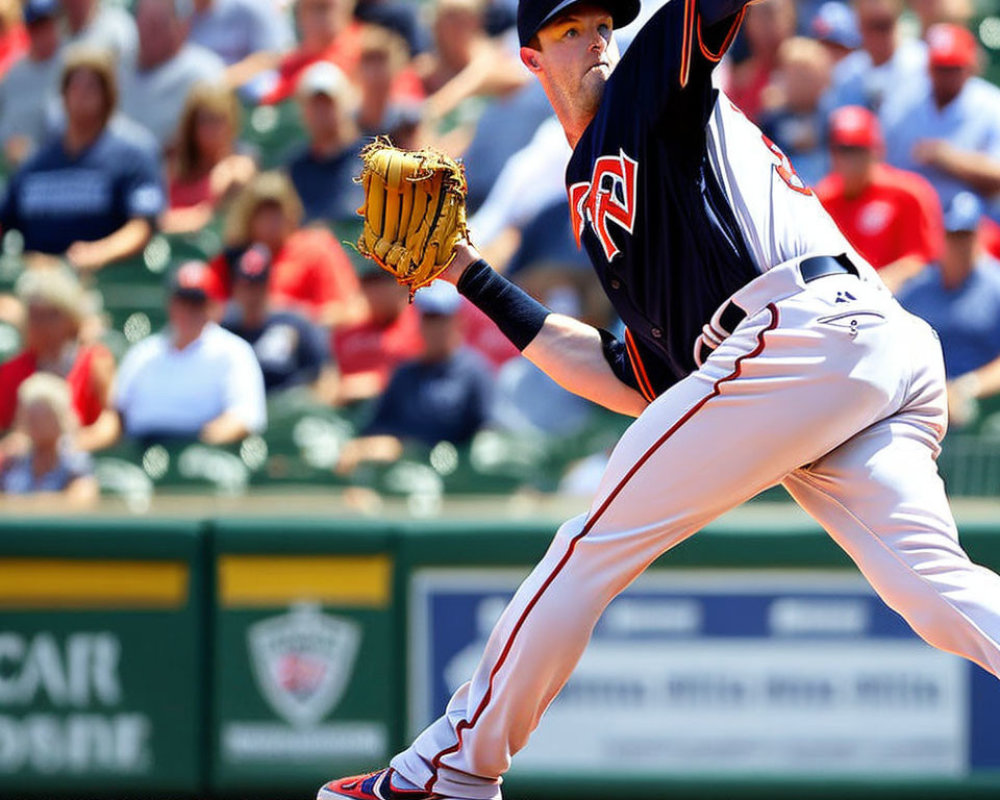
(616, 284)
(657, 333)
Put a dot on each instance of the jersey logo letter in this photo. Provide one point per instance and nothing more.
(609, 197)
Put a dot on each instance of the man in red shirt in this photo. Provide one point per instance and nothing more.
(328, 33)
(892, 217)
(368, 352)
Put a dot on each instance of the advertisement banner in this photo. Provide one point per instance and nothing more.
(100, 661)
(786, 673)
(304, 681)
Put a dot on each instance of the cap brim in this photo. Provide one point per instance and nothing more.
(622, 11)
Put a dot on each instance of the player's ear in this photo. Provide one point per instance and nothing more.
(529, 57)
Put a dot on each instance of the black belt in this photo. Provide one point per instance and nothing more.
(811, 269)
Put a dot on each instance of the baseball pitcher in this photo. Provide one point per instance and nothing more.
(759, 349)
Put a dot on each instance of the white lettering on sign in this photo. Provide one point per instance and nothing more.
(76, 743)
(78, 673)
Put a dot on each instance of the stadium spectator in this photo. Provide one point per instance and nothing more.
(243, 33)
(532, 180)
(459, 37)
(767, 25)
(193, 380)
(291, 350)
(29, 87)
(368, 351)
(892, 217)
(323, 171)
(51, 466)
(155, 90)
(506, 125)
(206, 171)
(949, 130)
(13, 36)
(443, 395)
(835, 26)
(960, 298)
(385, 79)
(529, 402)
(792, 117)
(89, 193)
(55, 310)
(103, 26)
(310, 271)
(886, 63)
(327, 32)
(931, 12)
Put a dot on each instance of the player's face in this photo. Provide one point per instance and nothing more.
(576, 58)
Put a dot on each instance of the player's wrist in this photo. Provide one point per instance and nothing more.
(465, 256)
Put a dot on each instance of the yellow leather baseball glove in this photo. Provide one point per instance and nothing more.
(414, 211)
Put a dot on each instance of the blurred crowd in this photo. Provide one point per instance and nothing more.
(230, 130)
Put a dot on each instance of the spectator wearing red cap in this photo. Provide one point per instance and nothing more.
(892, 217)
(193, 380)
(886, 60)
(948, 130)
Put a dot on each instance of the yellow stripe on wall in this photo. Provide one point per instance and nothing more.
(81, 583)
(266, 581)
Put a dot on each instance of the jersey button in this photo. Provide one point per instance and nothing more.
(616, 284)
(657, 333)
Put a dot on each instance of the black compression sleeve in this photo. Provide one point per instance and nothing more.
(516, 313)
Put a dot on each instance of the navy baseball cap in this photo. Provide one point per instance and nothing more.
(836, 23)
(251, 264)
(35, 10)
(533, 15)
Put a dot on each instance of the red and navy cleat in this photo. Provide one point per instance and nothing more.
(376, 786)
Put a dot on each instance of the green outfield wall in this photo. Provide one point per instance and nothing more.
(256, 657)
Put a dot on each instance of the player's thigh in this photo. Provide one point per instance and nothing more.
(765, 403)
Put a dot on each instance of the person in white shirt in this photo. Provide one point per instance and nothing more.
(193, 380)
(886, 61)
(167, 67)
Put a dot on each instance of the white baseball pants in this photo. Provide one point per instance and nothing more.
(828, 387)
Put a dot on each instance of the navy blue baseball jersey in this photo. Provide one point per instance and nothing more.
(678, 199)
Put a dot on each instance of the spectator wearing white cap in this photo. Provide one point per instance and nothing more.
(960, 298)
(31, 84)
(446, 394)
(193, 380)
(323, 172)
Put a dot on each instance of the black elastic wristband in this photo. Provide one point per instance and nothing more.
(517, 314)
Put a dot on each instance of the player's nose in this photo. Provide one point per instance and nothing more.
(598, 44)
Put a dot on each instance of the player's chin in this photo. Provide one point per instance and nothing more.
(592, 88)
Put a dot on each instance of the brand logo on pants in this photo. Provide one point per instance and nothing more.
(302, 662)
